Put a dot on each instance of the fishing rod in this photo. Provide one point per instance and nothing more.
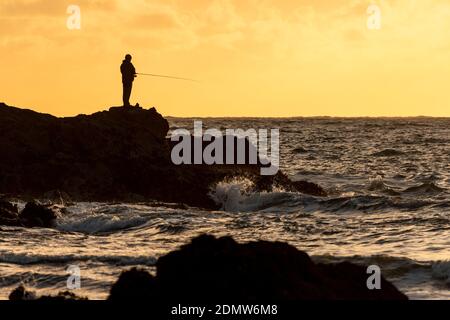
(169, 77)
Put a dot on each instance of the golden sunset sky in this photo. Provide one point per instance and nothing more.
(253, 57)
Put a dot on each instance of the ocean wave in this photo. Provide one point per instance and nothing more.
(31, 259)
(424, 189)
(436, 140)
(399, 268)
(237, 196)
(406, 264)
(354, 203)
(388, 153)
(100, 223)
(378, 184)
(299, 150)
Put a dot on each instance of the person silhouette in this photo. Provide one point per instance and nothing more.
(128, 74)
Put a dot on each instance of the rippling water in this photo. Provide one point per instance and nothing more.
(389, 205)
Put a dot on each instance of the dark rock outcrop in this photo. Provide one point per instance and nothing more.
(117, 155)
(103, 156)
(22, 294)
(33, 215)
(133, 285)
(212, 270)
(37, 215)
(265, 183)
(9, 214)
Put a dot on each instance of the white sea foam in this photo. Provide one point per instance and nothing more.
(100, 223)
(237, 195)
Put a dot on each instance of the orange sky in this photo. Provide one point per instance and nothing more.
(254, 57)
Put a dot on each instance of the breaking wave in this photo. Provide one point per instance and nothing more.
(238, 196)
(100, 223)
(378, 184)
(425, 189)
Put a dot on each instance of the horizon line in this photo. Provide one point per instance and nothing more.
(311, 117)
(257, 117)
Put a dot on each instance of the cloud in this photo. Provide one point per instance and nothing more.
(250, 27)
(223, 23)
(354, 35)
(155, 20)
(21, 8)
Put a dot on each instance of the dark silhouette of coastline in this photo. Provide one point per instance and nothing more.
(117, 155)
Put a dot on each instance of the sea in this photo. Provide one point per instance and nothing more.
(388, 204)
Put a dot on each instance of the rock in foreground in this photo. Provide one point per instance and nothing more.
(22, 294)
(212, 270)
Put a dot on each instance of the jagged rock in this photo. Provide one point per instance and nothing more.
(212, 270)
(281, 180)
(37, 215)
(104, 156)
(133, 285)
(9, 214)
(22, 294)
(117, 155)
(33, 215)
(62, 296)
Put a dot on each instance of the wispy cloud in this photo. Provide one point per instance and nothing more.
(319, 42)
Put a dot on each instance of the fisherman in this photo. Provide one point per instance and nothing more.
(128, 74)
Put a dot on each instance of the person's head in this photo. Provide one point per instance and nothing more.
(128, 57)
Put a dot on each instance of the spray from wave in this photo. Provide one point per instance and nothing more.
(239, 195)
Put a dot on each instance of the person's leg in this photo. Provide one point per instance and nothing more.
(127, 93)
(124, 93)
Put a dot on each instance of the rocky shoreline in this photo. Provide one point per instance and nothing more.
(118, 155)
